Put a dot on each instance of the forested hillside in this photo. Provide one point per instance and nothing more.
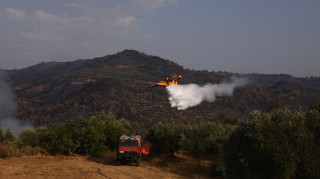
(56, 92)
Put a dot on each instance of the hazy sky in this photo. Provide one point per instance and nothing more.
(243, 36)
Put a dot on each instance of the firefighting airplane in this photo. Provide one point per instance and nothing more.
(169, 81)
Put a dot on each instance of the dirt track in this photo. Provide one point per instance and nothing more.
(77, 167)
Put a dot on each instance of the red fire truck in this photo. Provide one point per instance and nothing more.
(131, 148)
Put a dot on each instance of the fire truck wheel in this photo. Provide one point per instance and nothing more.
(138, 162)
(118, 163)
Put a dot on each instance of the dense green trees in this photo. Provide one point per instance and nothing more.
(279, 144)
(98, 134)
(165, 137)
(92, 136)
(276, 144)
(204, 138)
(113, 129)
(62, 139)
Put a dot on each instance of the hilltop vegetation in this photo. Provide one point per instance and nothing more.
(56, 92)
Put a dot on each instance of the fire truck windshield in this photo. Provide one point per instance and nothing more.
(129, 143)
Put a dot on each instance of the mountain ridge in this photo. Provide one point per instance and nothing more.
(55, 92)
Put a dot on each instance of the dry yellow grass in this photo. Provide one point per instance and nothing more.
(41, 166)
(10, 151)
(29, 162)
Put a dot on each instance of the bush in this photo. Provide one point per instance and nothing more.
(31, 151)
(91, 138)
(11, 151)
(8, 151)
(43, 136)
(62, 139)
(28, 137)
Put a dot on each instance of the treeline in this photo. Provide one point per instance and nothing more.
(204, 138)
(93, 136)
(278, 144)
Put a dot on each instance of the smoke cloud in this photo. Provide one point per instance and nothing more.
(7, 100)
(185, 96)
(8, 107)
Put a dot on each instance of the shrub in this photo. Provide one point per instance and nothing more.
(62, 139)
(91, 138)
(30, 151)
(11, 151)
(43, 136)
(28, 137)
(8, 151)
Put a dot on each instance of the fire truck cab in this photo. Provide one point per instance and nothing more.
(131, 148)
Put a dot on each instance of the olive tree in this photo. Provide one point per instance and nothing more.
(278, 144)
(165, 137)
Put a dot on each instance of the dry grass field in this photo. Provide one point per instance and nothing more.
(42, 166)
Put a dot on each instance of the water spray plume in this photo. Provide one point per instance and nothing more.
(185, 96)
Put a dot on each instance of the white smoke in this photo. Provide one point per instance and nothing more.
(16, 126)
(8, 107)
(185, 96)
(7, 100)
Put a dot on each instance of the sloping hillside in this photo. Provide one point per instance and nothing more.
(56, 92)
